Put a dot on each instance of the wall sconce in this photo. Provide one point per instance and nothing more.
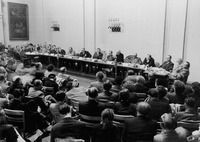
(114, 25)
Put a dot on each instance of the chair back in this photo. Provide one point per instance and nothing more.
(16, 118)
(90, 120)
(68, 140)
(189, 125)
(141, 97)
(119, 119)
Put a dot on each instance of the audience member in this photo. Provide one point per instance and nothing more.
(17, 84)
(170, 132)
(50, 70)
(106, 95)
(131, 90)
(117, 87)
(190, 113)
(7, 131)
(178, 95)
(123, 106)
(196, 93)
(50, 82)
(77, 93)
(158, 107)
(140, 125)
(68, 127)
(106, 131)
(162, 93)
(149, 61)
(168, 65)
(91, 107)
(3, 84)
(60, 100)
(99, 83)
(62, 74)
(150, 83)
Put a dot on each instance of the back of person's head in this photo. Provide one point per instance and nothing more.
(38, 66)
(39, 75)
(2, 117)
(140, 79)
(2, 78)
(129, 85)
(100, 75)
(179, 87)
(118, 80)
(92, 92)
(107, 85)
(17, 93)
(196, 87)
(32, 106)
(37, 83)
(107, 117)
(63, 69)
(50, 67)
(130, 72)
(16, 79)
(186, 65)
(153, 92)
(143, 108)
(124, 95)
(162, 81)
(60, 96)
(189, 102)
(168, 122)
(64, 109)
(162, 92)
(52, 77)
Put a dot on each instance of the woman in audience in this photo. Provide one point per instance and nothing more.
(106, 131)
(106, 96)
(170, 132)
(7, 131)
(178, 95)
(50, 70)
(196, 93)
(124, 107)
(60, 100)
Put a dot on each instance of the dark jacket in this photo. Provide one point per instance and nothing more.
(168, 66)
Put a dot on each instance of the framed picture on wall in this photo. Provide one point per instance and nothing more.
(18, 21)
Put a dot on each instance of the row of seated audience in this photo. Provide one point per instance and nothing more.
(46, 95)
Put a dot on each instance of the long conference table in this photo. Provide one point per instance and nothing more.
(79, 64)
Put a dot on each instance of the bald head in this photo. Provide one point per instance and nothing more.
(143, 108)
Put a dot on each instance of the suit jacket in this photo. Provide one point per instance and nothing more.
(96, 56)
(125, 108)
(149, 62)
(98, 85)
(91, 108)
(7, 131)
(120, 57)
(168, 66)
(68, 127)
(15, 104)
(188, 114)
(86, 54)
(138, 125)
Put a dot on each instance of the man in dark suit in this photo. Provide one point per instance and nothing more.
(142, 124)
(190, 113)
(168, 65)
(91, 107)
(149, 61)
(68, 127)
(85, 54)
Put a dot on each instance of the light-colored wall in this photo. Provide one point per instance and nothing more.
(1, 24)
(156, 27)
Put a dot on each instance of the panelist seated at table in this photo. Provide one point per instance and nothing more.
(110, 56)
(135, 59)
(71, 52)
(119, 56)
(168, 65)
(61, 51)
(177, 65)
(183, 73)
(85, 53)
(98, 54)
(149, 61)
